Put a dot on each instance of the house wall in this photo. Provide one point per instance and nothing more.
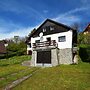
(54, 59)
(65, 56)
(62, 55)
(34, 57)
(2, 48)
(28, 49)
(58, 56)
(61, 45)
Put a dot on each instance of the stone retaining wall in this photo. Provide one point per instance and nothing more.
(54, 57)
(65, 56)
(58, 56)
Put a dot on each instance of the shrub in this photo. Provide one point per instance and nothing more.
(16, 49)
(84, 38)
(2, 56)
(84, 52)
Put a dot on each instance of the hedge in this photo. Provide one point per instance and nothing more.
(84, 52)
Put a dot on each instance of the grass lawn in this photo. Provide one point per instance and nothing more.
(63, 77)
(11, 69)
(14, 60)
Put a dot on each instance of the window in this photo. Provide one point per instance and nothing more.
(44, 29)
(51, 28)
(29, 45)
(62, 39)
(37, 41)
(49, 39)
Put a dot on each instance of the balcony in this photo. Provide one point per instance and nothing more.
(45, 45)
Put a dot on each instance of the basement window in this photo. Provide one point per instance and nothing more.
(62, 39)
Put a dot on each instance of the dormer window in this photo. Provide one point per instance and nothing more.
(51, 28)
(44, 29)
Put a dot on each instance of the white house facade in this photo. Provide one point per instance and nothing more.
(52, 44)
(67, 36)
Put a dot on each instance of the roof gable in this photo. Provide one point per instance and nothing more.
(87, 29)
(49, 22)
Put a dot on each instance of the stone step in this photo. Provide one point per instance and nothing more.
(26, 63)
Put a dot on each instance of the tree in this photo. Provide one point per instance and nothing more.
(16, 39)
(76, 26)
(84, 38)
(16, 49)
(32, 31)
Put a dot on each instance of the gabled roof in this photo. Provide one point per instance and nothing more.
(57, 23)
(87, 29)
(60, 24)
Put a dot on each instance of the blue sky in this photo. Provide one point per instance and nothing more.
(19, 17)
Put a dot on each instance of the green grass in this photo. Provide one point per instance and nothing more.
(11, 69)
(4, 71)
(14, 60)
(14, 76)
(63, 77)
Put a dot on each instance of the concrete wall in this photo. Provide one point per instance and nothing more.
(65, 56)
(58, 56)
(34, 57)
(54, 57)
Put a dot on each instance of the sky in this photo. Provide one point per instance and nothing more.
(19, 17)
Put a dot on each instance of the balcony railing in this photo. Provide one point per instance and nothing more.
(45, 44)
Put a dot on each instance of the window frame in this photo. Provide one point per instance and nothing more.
(44, 29)
(37, 41)
(51, 28)
(62, 39)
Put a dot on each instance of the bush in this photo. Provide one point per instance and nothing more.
(16, 49)
(2, 56)
(84, 52)
(84, 38)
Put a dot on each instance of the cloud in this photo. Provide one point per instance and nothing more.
(9, 29)
(45, 11)
(85, 2)
(19, 8)
(8, 26)
(19, 32)
(69, 17)
(74, 11)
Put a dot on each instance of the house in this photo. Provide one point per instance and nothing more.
(87, 29)
(52, 43)
(2, 48)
